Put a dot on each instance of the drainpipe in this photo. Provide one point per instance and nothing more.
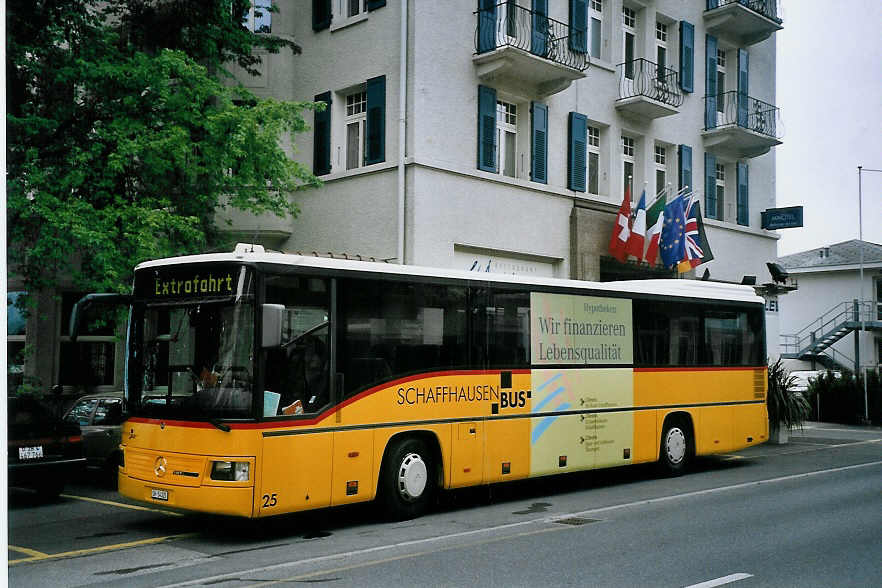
(402, 126)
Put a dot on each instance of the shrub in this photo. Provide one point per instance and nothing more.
(787, 408)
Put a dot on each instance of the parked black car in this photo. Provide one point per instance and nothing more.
(44, 451)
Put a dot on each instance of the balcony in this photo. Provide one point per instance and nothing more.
(525, 53)
(647, 90)
(740, 126)
(742, 22)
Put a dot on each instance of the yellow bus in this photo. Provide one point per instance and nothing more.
(261, 383)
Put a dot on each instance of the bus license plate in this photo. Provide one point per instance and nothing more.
(30, 452)
(157, 494)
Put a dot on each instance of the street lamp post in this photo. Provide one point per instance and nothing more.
(861, 286)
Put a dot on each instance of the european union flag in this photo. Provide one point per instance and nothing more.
(672, 244)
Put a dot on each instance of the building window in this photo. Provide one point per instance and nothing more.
(629, 17)
(595, 19)
(629, 24)
(721, 192)
(661, 156)
(16, 329)
(89, 362)
(593, 160)
(661, 48)
(879, 301)
(627, 166)
(506, 138)
(258, 18)
(356, 114)
(344, 9)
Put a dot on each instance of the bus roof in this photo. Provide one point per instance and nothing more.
(247, 253)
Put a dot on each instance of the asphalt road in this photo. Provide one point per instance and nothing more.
(805, 514)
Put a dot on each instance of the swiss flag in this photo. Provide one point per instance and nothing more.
(622, 229)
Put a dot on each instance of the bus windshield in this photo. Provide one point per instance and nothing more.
(194, 359)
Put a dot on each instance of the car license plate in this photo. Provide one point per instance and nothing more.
(30, 452)
(157, 494)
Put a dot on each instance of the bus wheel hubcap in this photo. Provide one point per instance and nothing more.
(675, 445)
(412, 476)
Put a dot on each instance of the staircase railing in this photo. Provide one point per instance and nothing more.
(814, 334)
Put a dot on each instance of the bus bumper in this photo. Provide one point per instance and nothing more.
(234, 501)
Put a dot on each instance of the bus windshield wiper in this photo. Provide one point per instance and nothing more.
(220, 425)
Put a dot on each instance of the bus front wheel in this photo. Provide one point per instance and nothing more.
(408, 481)
(676, 448)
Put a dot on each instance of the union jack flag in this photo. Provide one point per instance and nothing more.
(696, 249)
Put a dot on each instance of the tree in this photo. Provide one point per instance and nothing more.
(123, 147)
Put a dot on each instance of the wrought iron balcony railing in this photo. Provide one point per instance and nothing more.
(768, 8)
(734, 108)
(640, 77)
(508, 25)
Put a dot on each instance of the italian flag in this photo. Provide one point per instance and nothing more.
(655, 221)
(638, 230)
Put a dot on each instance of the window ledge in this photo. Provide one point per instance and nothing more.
(363, 170)
(348, 22)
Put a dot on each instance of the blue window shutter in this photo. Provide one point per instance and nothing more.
(321, 143)
(687, 55)
(743, 212)
(710, 99)
(487, 129)
(684, 163)
(374, 4)
(742, 87)
(375, 122)
(321, 14)
(539, 140)
(578, 142)
(579, 25)
(486, 25)
(710, 185)
(539, 38)
(711, 4)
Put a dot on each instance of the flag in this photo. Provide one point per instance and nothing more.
(638, 230)
(622, 229)
(654, 219)
(697, 250)
(671, 243)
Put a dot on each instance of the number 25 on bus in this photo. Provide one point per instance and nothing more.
(262, 383)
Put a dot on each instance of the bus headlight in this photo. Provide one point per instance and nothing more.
(230, 471)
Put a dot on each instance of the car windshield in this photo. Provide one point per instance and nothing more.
(194, 359)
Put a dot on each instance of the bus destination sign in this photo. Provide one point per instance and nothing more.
(190, 282)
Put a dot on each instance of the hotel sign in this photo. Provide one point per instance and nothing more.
(782, 218)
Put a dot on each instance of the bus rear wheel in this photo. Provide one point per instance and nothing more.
(408, 480)
(676, 448)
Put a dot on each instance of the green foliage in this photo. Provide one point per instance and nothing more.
(122, 147)
(786, 407)
(840, 398)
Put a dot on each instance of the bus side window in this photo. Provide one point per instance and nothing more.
(388, 329)
(299, 371)
(501, 328)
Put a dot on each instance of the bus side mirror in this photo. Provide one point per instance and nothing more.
(272, 325)
(84, 303)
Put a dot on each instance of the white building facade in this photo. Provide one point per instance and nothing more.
(834, 318)
(520, 123)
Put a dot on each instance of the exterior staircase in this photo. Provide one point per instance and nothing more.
(814, 341)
